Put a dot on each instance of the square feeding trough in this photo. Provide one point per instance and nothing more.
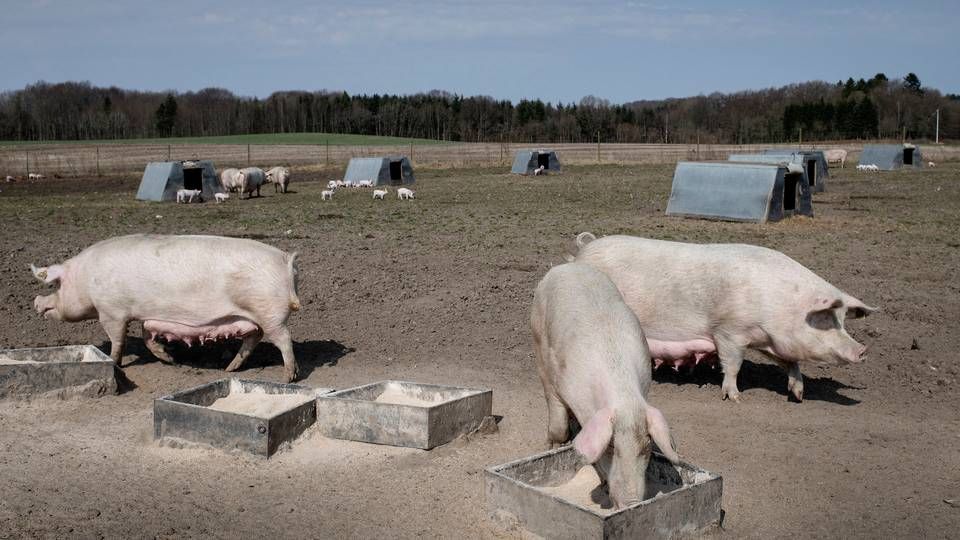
(235, 414)
(74, 370)
(403, 413)
(552, 495)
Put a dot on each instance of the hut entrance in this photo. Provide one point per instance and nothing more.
(812, 172)
(193, 178)
(543, 160)
(790, 182)
(396, 171)
(908, 156)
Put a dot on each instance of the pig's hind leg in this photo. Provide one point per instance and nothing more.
(281, 338)
(731, 358)
(250, 342)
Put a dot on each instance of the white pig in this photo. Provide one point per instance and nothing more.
(251, 178)
(230, 179)
(183, 288)
(701, 300)
(279, 177)
(593, 361)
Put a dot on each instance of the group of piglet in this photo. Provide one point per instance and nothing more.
(378, 194)
(623, 305)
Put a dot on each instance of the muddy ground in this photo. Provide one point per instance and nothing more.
(437, 290)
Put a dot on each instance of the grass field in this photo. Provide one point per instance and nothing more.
(338, 139)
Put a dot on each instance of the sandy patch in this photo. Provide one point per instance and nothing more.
(257, 404)
(395, 395)
(579, 489)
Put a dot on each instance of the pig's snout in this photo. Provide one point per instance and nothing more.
(46, 307)
(858, 355)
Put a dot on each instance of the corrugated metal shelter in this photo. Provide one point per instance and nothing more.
(382, 171)
(525, 161)
(892, 156)
(756, 192)
(823, 168)
(162, 179)
(811, 170)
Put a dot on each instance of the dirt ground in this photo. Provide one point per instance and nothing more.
(437, 290)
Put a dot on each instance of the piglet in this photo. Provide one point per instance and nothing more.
(593, 361)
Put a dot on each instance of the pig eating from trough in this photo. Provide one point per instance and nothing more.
(718, 300)
(183, 288)
(593, 361)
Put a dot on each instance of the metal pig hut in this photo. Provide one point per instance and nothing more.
(754, 192)
(822, 167)
(162, 179)
(811, 169)
(382, 171)
(892, 156)
(525, 161)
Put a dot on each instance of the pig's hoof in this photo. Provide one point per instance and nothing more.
(732, 396)
(796, 390)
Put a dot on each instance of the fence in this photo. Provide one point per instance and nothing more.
(88, 159)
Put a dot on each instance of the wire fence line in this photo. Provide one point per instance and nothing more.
(89, 159)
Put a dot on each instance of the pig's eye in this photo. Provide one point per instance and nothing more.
(823, 320)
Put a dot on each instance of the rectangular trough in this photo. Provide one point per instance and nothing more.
(546, 495)
(67, 371)
(403, 413)
(235, 414)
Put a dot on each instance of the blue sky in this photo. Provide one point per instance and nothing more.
(554, 50)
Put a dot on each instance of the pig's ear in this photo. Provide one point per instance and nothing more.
(47, 274)
(659, 431)
(595, 437)
(857, 309)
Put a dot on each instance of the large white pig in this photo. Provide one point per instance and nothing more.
(230, 179)
(593, 361)
(280, 178)
(708, 300)
(183, 288)
(251, 178)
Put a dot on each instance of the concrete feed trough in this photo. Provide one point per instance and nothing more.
(234, 414)
(553, 496)
(80, 370)
(403, 413)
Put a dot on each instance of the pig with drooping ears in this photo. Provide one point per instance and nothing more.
(183, 288)
(593, 361)
(704, 301)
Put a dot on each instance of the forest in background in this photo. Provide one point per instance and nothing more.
(874, 108)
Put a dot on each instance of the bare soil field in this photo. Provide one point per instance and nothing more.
(437, 290)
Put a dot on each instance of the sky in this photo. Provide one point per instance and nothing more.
(554, 50)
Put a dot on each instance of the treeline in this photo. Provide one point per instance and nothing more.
(864, 109)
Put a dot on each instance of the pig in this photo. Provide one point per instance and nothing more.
(593, 361)
(404, 193)
(279, 177)
(230, 179)
(221, 197)
(699, 302)
(251, 178)
(836, 155)
(187, 195)
(182, 288)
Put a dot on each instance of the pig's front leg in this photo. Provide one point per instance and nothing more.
(116, 330)
(250, 342)
(795, 381)
(731, 358)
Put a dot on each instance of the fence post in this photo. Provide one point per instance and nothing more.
(98, 161)
(27, 153)
(248, 155)
(327, 141)
(598, 147)
(168, 152)
(411, 150)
